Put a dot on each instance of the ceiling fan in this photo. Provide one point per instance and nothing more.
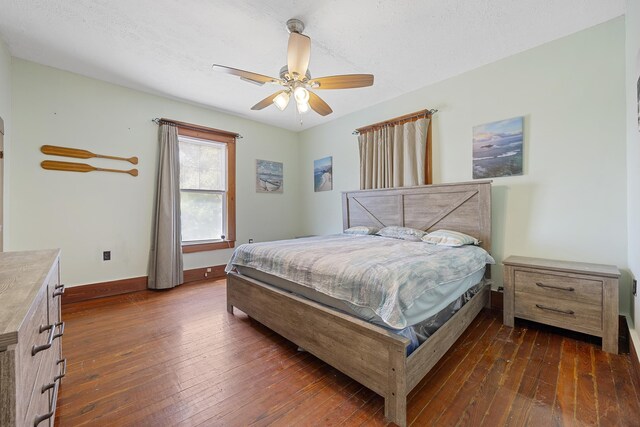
(296, 79)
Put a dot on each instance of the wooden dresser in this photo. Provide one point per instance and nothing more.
(572, 295)
(31, 363)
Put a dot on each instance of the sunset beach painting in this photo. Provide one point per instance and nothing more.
(497, 148)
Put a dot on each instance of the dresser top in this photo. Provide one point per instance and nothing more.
(22, 275)
(564, 266)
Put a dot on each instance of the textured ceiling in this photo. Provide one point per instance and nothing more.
(168, 46)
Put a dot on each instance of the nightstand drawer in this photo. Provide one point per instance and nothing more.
(574, 315)
(559, 286)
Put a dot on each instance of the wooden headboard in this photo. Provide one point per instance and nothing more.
(464, 207)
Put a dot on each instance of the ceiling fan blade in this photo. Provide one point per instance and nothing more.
(298, 53)
(267, 101)
(318, 105)
(247, 75)
(345, 81)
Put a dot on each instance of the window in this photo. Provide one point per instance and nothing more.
(203, 188)
(207, 188)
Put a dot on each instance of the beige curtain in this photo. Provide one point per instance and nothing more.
(394, 156)
(165, 264)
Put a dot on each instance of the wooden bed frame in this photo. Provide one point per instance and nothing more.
(365, 352)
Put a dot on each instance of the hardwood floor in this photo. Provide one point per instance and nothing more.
(178, 358)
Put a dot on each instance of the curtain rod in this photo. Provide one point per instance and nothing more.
(160, 121)
(425, 113)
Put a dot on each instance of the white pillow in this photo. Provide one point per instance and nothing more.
(449, 238)
(361, 230)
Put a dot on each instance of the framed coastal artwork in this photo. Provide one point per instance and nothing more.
(497, 148)
(269, 177)
(323, 174)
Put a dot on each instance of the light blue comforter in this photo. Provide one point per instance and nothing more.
(381, 273)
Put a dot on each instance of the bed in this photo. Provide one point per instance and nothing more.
(368, 353)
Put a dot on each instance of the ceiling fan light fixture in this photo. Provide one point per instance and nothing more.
(295, 79)
(303, 107)
(281, 101)
(301, 95)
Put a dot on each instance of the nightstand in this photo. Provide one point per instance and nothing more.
(572, 295)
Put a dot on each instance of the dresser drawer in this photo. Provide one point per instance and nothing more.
(559, 286)
(562, 313)
(39, 401)
(42, 402)
(28, 363)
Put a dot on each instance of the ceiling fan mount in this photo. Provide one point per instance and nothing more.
(295, 78)
(295, 26)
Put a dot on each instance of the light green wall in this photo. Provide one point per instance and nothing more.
(633, 151)
(85, 214)
(5, 113)
(569, 204)
(571, 201)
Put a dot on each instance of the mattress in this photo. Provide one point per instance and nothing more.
(422, 309)
(417, 333)
(390, 282)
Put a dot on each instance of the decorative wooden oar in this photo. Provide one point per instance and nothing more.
(81, 154)
(80, 167)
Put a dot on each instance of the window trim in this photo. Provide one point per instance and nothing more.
(228, 138)
(202, 247)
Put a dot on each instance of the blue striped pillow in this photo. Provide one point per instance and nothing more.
(404, 233)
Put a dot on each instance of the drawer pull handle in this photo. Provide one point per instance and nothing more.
(52, 335)
(63, 372)
(556, 310)
(57, 377)
(560, 288)
(60, 326)
(38, 348)
(59, 290)
(52, 404)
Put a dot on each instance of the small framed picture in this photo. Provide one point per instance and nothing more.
(323, 174)
(497, 148)
(269, 177)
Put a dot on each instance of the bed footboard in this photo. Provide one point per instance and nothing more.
(369, 354)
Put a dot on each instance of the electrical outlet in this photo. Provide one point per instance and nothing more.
(106, 255)
(250, 240)
(635, 287)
